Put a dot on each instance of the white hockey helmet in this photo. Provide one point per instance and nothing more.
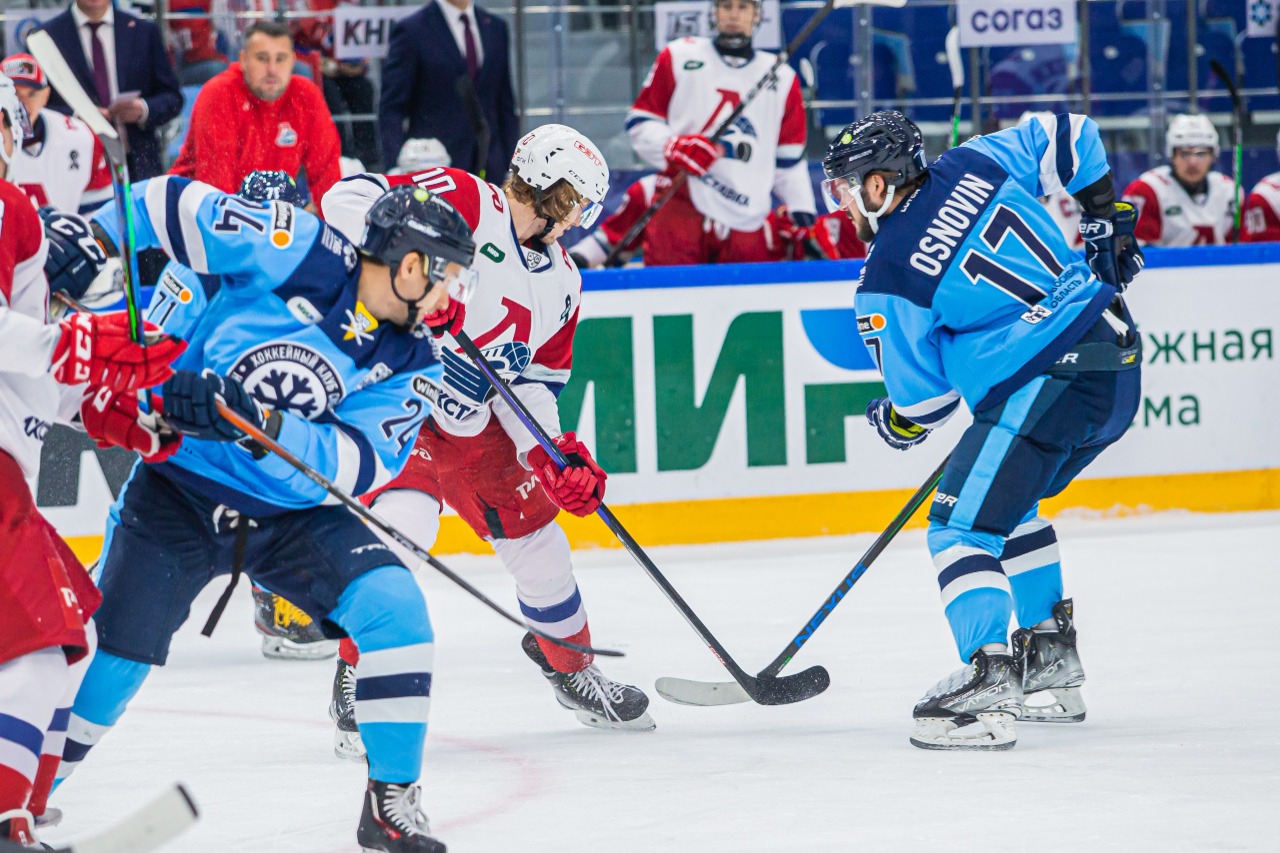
(555, 152)
(1190, 131)
(419, 154)
(18, 121)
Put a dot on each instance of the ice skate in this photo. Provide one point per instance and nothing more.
(594, 699)
(49, 818)
(287, 632)
(16, 827)
(974, 708)
(1051, 670)
(342, 710)
(393, 821)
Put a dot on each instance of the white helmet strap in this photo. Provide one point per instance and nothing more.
(873, 219)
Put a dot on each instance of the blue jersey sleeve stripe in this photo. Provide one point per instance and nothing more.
(191, 199)
(787, 162)
(355, 450)
(1066, 149)
(160, 202)
(923, 415)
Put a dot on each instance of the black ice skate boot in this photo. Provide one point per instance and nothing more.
(1051, 670)
(393, 822)
(342, 710)
(974, 708)
(16, 828)
(287, 632)
(593, 698)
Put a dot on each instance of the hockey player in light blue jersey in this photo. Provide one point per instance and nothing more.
(323, 343)
(970, 293)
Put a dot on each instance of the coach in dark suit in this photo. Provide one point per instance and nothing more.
(430, 51)
(112, 53)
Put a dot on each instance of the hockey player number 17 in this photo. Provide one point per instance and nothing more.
(980, 267)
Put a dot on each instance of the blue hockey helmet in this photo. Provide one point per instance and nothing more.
(409, 219)
(887, 142)
(271, 185)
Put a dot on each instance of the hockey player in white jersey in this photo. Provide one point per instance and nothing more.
(1262, 209)
(718, 216)
(473, 453)
(62, 164)
(1186, 203)
(46, 596)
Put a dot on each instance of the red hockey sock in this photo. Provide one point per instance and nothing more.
(15, 789)
(348, 652)
(44, 783)
(567, 660)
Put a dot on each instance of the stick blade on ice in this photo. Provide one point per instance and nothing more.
(683, 691)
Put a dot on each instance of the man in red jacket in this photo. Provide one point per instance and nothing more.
(257, 115)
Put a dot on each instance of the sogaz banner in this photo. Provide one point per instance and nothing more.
(988, 23)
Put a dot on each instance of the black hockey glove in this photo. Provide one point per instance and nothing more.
(897, 432)
(1113, 254)
(75, 258)
(190, 407)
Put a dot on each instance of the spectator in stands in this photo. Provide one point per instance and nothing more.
(346, 85)
(1186, 203)
(719, 214)
(447, 75)
(195, 42)
(259, 115)
(121, 61)
(62, 164)
(1262, 209)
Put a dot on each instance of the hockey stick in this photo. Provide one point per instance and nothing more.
(792, 46)
(955, 63)
(150, 828)
(772, 691)
(1237, 141)
(686, 692)
(466, 91)
(368, 517)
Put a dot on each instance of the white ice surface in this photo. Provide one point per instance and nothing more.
(1178, 621)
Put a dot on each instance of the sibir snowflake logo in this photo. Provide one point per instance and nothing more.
(1261, 12)
(290, 377)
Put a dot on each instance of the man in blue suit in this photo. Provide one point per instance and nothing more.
(115, 54)
(434, 54)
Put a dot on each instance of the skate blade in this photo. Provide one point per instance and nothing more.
(1060, 705)
(990, 732)
(51, 817)
(348, 746)
(278, 648)
(642, 723)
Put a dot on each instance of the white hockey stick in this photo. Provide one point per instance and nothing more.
(150, 828)
(955, 64)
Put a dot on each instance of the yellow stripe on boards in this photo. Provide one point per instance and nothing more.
(839, 513)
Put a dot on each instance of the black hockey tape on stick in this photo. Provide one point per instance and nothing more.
(687, 692)
(373, 520)
(722, 128)
(466, 92)
(774, 691)
(150, 828)
(1237, 141)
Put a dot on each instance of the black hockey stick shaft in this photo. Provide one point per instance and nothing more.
(606, 515)
(721, 129)
(877, 547)
(466, 91)
(1237, 142)
(361, 511)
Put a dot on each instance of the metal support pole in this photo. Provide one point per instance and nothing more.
(975, 90)
(1086, 64)
(1193, 79)
(521, 93)
(863, 44)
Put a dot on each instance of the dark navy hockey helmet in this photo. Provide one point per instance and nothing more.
(409, 219)
(265, 185)
(886, 141)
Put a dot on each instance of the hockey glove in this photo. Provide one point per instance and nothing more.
(1113, 254)
(692, 153)
(190, 407)
(897, 432)
(448, 320)
(74, 258)
(113, 419)
(97, 348)
(579, 488)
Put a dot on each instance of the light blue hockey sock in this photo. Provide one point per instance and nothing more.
(975, 592)
(1031, 561)
(385, 613)
(109, 684)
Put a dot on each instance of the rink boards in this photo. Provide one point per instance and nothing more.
(727, 403)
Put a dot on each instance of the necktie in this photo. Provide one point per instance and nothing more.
(101, 81)
(473, 60)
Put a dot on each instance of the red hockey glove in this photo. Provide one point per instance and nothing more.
(97, 349)
(692, 153)
(113, 419)
(579, 488)
(448, 320)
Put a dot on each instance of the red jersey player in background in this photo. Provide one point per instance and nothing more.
(473, 453)
(718, 216)
(62, 163)
(1262, 209)
(1185, 203)
(46, 596)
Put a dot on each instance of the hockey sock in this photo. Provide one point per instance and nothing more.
(541, 564)
(348, 652)
(15, 789)
(1031, 561)
(105, 692)
(385, 614)
(30, 687)
(975, 592)
(567, 660)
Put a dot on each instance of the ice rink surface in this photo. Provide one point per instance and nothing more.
(1181, 751)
